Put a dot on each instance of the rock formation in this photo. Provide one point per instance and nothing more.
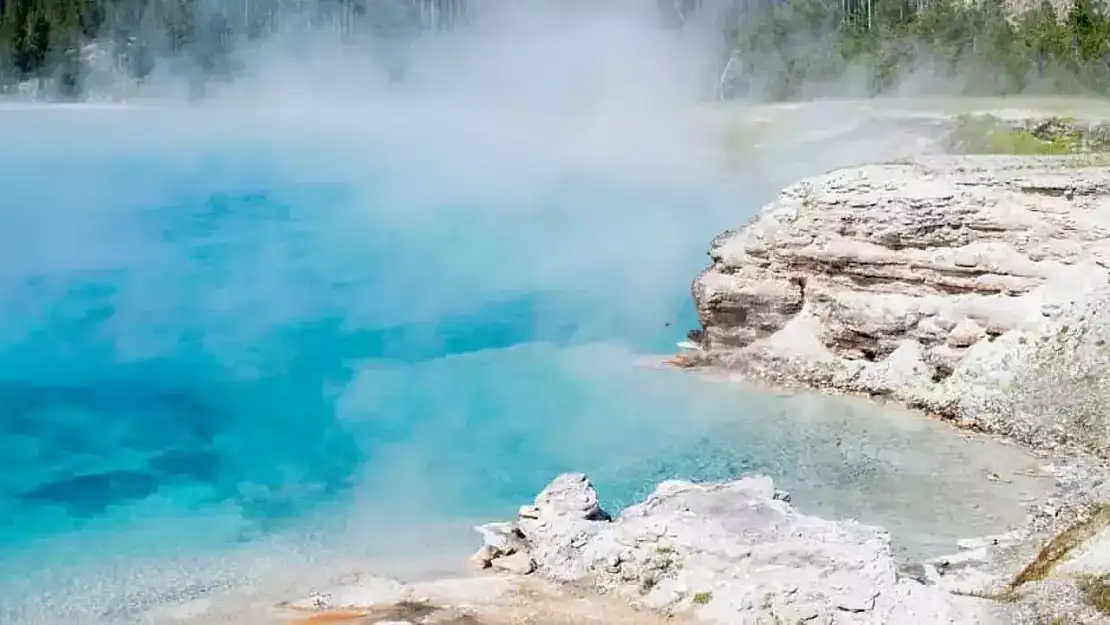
(969, 286)
(731, 552)
(974, 287)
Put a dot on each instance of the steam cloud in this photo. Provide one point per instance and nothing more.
(542, 149)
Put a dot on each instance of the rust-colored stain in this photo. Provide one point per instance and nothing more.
(331, 617)
(682, 362)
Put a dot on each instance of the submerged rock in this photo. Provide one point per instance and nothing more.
(730, 552)
(972, 287)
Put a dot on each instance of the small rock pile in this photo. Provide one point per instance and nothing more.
(564, 514)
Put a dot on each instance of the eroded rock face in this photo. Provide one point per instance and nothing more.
(729, 552)
(948, 283)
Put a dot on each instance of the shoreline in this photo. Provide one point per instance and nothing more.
(1074, 470)
(899, 416)
(1068, 485)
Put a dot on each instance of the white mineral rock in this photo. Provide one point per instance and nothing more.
(970, 286)
(732, 552)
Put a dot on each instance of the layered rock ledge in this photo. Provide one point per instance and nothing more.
(973, 287)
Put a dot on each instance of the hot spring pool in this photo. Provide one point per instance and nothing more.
(231, 361)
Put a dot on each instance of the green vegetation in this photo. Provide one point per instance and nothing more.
(801, 47)
(1096, 591)
(58, 43)
(1063, 545)
(780, 48)
(703, 598)
(1095, 588)
(985, 134)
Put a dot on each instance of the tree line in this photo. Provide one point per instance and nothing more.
(52, 40)
(779, 48)
(800, 47)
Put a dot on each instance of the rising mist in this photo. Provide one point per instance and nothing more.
(333, 305)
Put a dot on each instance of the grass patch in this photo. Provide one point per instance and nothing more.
(703, 598)
(1009, 595)
(1024, 142)
(986, 134)
(1062, 545)
(1054, 136)
(1096, 591)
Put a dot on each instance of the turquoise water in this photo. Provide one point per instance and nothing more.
(247, 341)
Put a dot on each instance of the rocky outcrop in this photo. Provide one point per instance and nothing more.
(731, 552)
(970, 286)
(734, 553)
